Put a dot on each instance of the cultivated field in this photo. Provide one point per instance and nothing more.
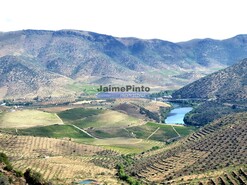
(107, 128)
(110, 119)
(65, 170)
(232, 175)
(126, 145)
(27, 118)
(85, 118)
(56, 109)
(54, 131)
(61, 161)
(160, 132)
(214, 147)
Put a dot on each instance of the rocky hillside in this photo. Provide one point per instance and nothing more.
(32, 60)
(20, 77)
(227, 85)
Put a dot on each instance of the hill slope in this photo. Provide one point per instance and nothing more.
(22, 77)
(229, 84)
(37, 58)
(213, 148)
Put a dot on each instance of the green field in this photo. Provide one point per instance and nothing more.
(97, 118)
(54, 131)
(28, 118)
(78, 113)
(164, 73)
(164, 132)
(107, 119)
(185, 130)
(110, 132)
(124, 145)
(82, 87)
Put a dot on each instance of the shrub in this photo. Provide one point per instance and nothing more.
(33, 178)
(8, 167)
(123, 176)
(4, 158)
(18, 173)
(155, 148)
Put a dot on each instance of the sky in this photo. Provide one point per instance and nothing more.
(172, 20)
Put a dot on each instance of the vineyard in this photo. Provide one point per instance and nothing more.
(212, 155)
(235, 176)
(60, 161)
(219, 145)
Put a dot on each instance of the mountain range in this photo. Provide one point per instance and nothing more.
(47, 63)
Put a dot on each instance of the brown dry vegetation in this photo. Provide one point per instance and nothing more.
(142, 108)
(130, 109)
(153, 105)
(60, 161)
(56, 109)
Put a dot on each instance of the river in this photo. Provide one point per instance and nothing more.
(176, 115)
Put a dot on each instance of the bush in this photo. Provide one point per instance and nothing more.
(4, 159)
(123, 176)
(18, 173)
(155, 148)
(8, 167)
(33, 178)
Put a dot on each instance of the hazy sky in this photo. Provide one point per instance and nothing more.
(173, 20)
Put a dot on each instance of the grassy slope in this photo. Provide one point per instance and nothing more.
(107, 119)
(78, 113)
(109, 132)
(97, 118)
(123, 145)
(28, 118)
(164, 132)
(81, 87)
(55, 131)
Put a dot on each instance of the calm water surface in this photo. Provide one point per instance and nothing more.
(176, 115)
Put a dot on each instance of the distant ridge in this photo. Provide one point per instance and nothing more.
(229, 84)
(67, 56)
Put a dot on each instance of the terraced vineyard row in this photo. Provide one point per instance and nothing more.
(237, 176)
(169, 167)
(64, 169)
(234, 178)
(203, 151)
(206, 130)
(25, 147)
(61, 161)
